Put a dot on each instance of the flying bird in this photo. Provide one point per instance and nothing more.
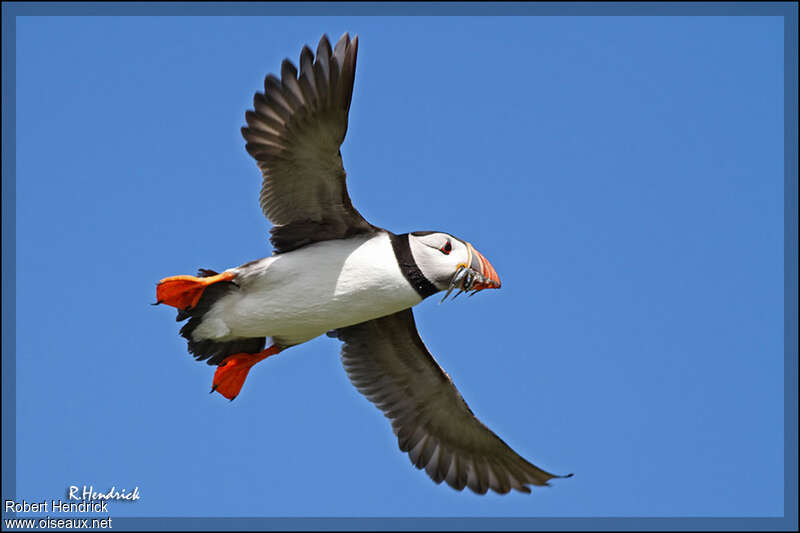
(333, 272)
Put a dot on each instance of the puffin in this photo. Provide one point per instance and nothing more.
(332, 272)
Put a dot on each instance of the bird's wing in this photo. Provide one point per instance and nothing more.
(294, 134)
(389, 364)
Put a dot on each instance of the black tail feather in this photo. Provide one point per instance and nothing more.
(214, 352)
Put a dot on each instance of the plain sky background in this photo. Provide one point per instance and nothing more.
(624, 175)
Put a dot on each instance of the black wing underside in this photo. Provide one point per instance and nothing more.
(388, 363)
(294, 133)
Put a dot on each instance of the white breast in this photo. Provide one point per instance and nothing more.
(299, 295)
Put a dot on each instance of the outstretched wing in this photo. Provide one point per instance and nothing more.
(294, 134)
(389, 364)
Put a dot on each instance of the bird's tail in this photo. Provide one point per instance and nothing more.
(194, 297)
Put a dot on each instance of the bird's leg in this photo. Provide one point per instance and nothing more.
(231, 373)
(184, 292)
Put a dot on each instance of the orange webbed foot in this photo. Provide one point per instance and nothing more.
(231, 373)
(184, 292)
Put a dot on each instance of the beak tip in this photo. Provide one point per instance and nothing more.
(492, 280)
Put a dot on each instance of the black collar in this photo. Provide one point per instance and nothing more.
(409, 268)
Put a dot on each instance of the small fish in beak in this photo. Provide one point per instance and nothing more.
(479, 275)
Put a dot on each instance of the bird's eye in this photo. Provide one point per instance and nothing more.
(447, 248)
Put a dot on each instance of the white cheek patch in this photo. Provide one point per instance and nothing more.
(436, 266)
(469, 256)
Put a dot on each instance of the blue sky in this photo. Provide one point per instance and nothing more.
(624, 175)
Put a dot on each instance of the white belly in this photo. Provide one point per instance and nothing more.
(296, 296)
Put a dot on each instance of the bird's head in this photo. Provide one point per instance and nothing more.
(450, 263)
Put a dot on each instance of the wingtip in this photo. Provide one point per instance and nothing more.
(324, 44)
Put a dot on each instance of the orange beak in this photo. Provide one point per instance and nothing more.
(480, 264)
